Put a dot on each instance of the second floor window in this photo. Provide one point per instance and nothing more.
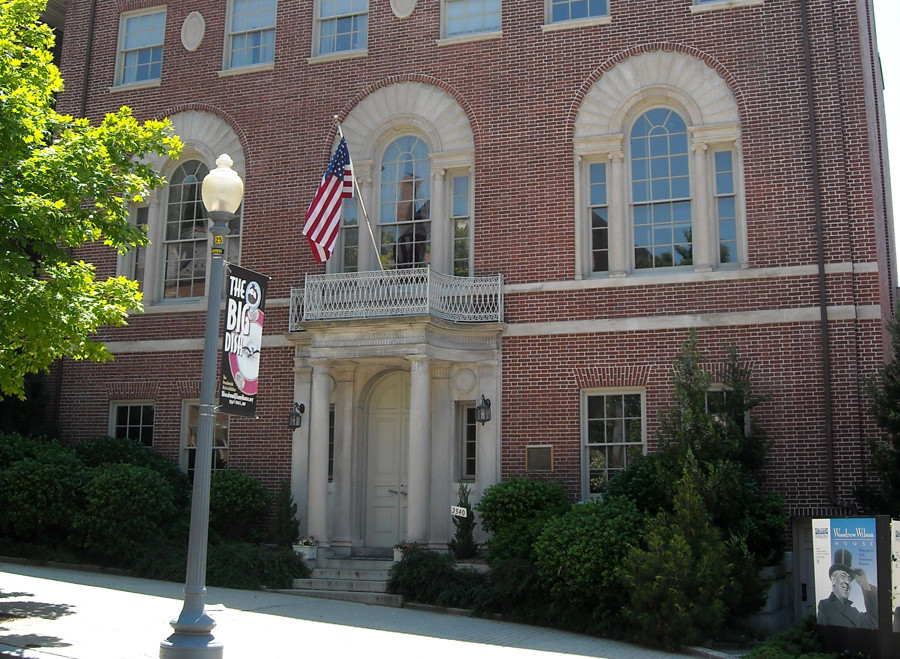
(140, 47)
(252, 33)
(185, 248)
(661, 191)
(471, 17)
(343, 25)
(573, 10)
(405, 213)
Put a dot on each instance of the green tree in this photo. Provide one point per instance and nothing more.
(63, 183)
(883, 495)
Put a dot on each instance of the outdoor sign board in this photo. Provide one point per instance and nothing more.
(853, 584)
(241, 343)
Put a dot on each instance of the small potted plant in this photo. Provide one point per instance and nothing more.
(398, 551)
(307, 547)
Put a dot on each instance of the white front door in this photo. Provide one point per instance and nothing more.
(388, 443)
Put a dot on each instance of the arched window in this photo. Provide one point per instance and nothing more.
(658, 171)
(660, 190)
(184, 244)
(405, 208)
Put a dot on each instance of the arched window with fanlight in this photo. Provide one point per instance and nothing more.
(659, 172)
(184, 245)
(660, 190)
(405, 204)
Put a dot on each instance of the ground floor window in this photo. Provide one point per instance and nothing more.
(189, 422)
(613, 431)
(133, 420)
(466, 432)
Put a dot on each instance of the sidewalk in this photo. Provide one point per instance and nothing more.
(60, 613)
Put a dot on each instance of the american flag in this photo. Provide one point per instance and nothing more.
(323, 219)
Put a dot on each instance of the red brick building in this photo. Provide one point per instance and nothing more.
(560, 191)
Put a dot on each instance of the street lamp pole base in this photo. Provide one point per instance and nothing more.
(190, 646)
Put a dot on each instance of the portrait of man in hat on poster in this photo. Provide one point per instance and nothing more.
(837, 609)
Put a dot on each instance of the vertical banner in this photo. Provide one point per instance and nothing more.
(846, 572)
(895, 574)
(241, 343)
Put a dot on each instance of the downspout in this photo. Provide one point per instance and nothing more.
(88, 51)
(820, 255)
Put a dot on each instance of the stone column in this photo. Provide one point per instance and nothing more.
(343, 467)
(300, 439)
(318, 452)
(419, 455)
(700, 212)
(619, 239)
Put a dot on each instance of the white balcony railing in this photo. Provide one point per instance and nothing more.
(407, 292)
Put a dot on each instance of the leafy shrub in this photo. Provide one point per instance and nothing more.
(677, 583)
(579, 554)
(285, 526)
(15, 447)
(125, 508)
(237, 506)
(514, 590)
(253, 566)
(515, 511)
(798, 642)
(111, 450)
(39, 499)
(429, 577)
(463, 544)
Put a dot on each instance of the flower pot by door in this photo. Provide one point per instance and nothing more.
(308, 552)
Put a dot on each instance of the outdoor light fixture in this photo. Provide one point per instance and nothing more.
(222, 191)
(483, 411)
(295, 418)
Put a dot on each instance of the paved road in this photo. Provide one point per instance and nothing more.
(61, 613)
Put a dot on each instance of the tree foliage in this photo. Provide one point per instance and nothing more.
(883, 496)
(64, 182)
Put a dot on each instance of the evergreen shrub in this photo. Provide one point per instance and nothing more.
(125, 508)
(285, 525)
(677, 583)
(238, 504)
(40, 499)
(253, 566)
(122, 450)
(463, 544)
(429, 577)
(515, 511)
(579, 554)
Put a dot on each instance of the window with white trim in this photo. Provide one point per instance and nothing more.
(559, 11)
(140, 50)
(409, 226)
(404, 219)
(133, 420)
(464, 17)
(251, 33)
(467, 432)
(659, 178)
(190, 416)
(184, 248)
(674, 204)
(341, 26)
(660, 190)
(613, 435)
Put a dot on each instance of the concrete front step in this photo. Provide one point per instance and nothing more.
(349, 579)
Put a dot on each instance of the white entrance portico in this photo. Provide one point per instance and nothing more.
(384, 398)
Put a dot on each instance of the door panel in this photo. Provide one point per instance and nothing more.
(387, 443)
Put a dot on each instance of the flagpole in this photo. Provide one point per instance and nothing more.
(359, 196)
